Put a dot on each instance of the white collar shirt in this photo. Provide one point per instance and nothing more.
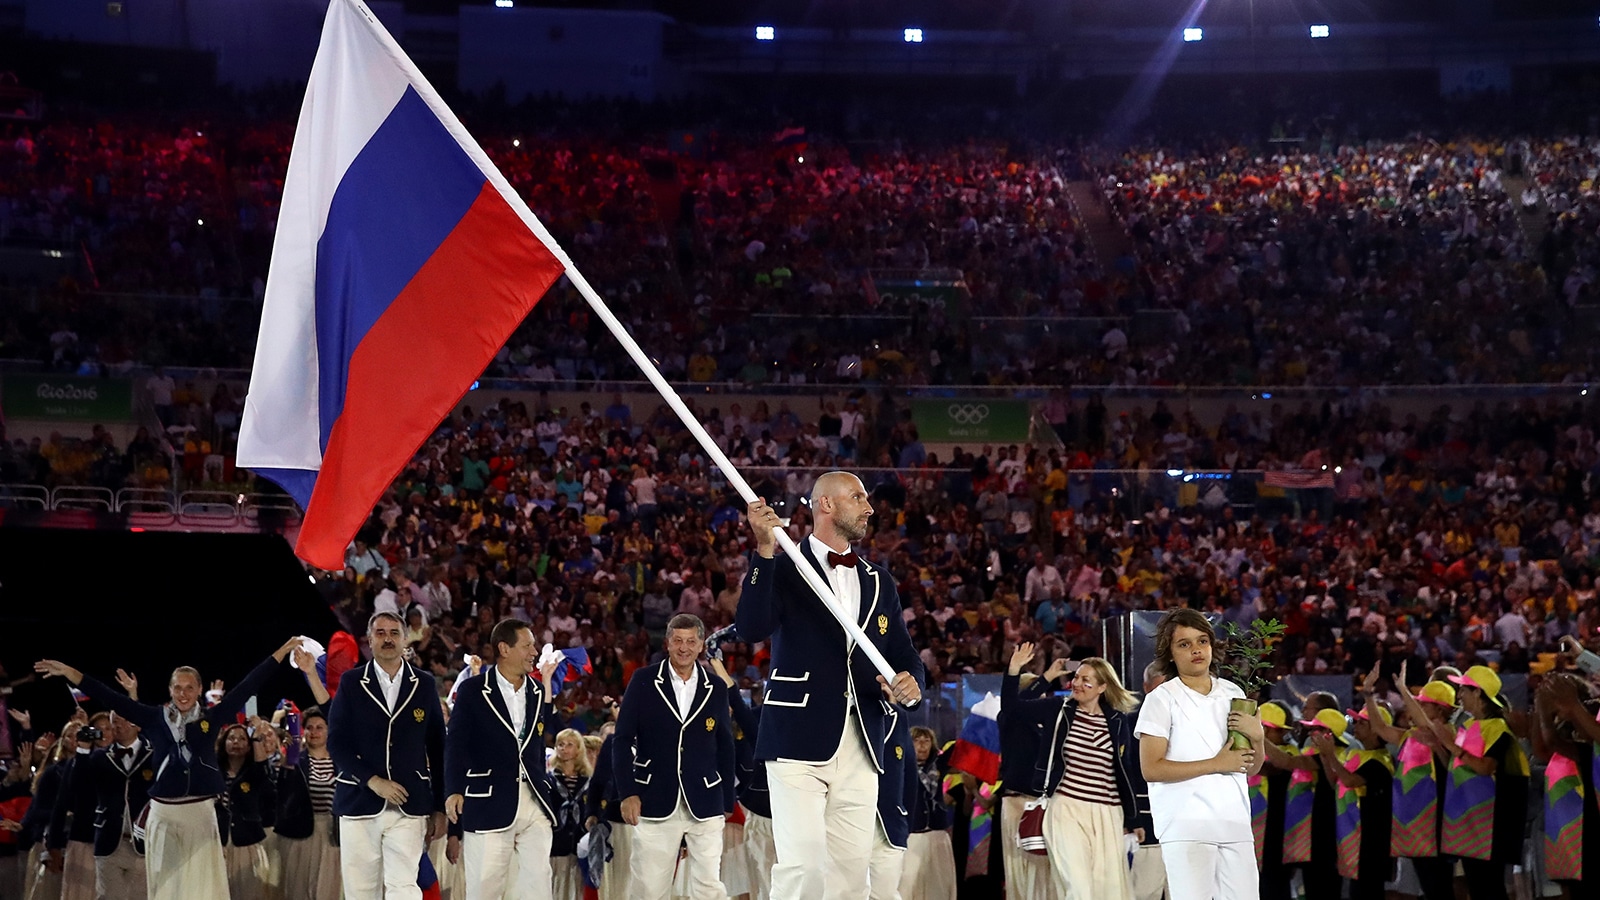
(390, 685)
(516, 700)
(845, 581)
(683, 690)
(123, 760)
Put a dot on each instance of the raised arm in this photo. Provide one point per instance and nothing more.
(307, 664)
(760, 605)
(1389, 733)
(233, 701)
(144, 716)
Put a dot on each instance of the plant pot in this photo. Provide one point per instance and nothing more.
(1237, 740)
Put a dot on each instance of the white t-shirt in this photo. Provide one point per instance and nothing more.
(1214, 809)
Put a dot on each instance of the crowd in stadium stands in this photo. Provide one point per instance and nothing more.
(1234, 252)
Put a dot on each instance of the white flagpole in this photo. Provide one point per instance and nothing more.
(823, 590)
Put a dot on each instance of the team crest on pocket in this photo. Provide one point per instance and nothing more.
(244, 787)
(149, 775)
(883, 624)
(539, 728)
(418, 714)
(711, 724)
(899, 753)
(205, 727)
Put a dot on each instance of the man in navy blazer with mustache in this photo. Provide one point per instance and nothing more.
(674, 763)
(825, 721)
(495, 778)
(386, 737)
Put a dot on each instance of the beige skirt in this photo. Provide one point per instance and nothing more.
(249, 871)
(567, 880)
(309, 867)
(1028, 875)
(77, 875)
(929, 872)
(183, 853)
(43, 884)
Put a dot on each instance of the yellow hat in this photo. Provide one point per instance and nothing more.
(1383, 713)
(1437, 693)
(1484, 679)
(1331, 719)
(1275, 714)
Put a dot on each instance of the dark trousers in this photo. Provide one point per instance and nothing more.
(1485, 880)
(1437, 875)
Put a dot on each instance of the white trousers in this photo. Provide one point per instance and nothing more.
(616, 879)
(379, 856)
(655, 856)
(1087, 852)
(183, 852)
(514, 862)
(452, 880)
(759, 854)
(883, 870)
(824, 819)
(120, 876)
(930, 867)
(1204, 871)
(1028, 875)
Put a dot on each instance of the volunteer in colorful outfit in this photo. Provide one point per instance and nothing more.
(1309, 840)
(1083, 766)
(1363, 780)
(1199, 798)
(1417, 800)
(1268, 789)
(1565, 738)
(1486, 800)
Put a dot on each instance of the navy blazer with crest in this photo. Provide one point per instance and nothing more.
(119, 792)
(753, 791)
(803, 716)
(899, 781)
(485, 758)
(660, 756)
(406, 746)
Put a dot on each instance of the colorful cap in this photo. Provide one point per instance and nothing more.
(1331, 719)
(1383, 713)
(1484, 679)
(1275, 714)
(1437, 693)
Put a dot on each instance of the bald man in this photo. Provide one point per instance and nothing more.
(827, 710)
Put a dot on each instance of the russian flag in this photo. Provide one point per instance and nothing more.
(403, 261)
(977, 749)
(571, 662)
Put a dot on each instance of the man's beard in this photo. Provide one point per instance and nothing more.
(850, 530)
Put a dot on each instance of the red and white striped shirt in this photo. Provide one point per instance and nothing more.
(1086, 761)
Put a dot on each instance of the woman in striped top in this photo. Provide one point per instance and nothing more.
(1083, 770)
(310, 861)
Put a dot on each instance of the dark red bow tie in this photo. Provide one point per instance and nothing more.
(843, 559)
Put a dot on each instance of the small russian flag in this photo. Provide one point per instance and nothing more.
(575, 665)
(403, 260)
(79, 697)
(977, 750)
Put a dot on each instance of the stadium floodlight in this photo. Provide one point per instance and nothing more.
(1319, 31)
(913, 35)
(766, 33)
(504, 4)
(1191, 35)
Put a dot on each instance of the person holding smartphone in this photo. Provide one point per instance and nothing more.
(1199, 797)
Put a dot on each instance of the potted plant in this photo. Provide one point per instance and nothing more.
(1245, 662)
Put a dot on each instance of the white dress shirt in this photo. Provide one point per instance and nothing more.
(845, 581)
(516, 700)
(389, 685)
(683, 689)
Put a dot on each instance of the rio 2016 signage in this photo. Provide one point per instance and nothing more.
(62, 398)
(957, 419)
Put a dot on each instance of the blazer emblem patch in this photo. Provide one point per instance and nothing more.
(244, 787)
(883, 624)
(205, 727)
(149, 774)
(899, 753)
(539, 727)
(418, 714)
(711, 724)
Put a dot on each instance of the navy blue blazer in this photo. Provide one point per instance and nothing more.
(600, 798)
(295, 819)
(804, 712)
(1019, 743)
(485, 758)
(199, 777)
(660, 756)
(406, 746)
(752, 772)
(898, 781)
(249, 807)
(72, 819)
(120, 792)
(1057, 713)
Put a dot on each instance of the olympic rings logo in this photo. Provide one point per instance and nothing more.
(968, 413)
